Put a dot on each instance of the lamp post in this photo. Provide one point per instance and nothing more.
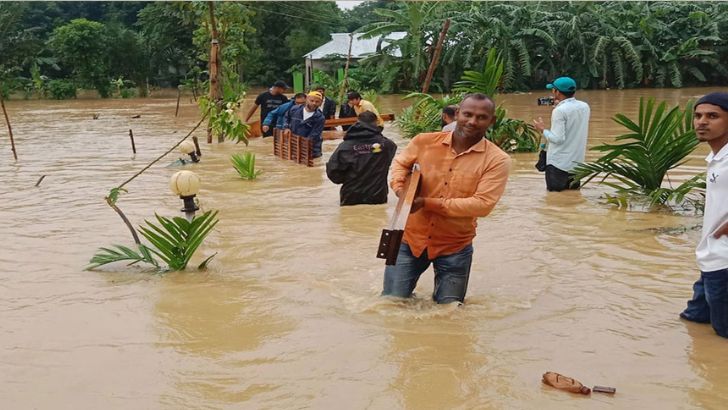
(186, 184)
(188, 148)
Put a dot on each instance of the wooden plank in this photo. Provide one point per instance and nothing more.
(391, 239)
(351, 120)
(255, 131)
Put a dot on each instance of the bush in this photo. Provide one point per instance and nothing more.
(127, 92)
(61, 89)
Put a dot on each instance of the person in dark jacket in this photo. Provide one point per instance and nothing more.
(361, 163)
(307, 121)
(345, 112)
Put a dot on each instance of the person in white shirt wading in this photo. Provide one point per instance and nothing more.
(710, 293)
(567, 135)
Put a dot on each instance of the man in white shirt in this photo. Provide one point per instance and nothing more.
(448, 118)
(710, 293)
(567, 135)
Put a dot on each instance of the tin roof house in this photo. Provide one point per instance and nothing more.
(332, 55)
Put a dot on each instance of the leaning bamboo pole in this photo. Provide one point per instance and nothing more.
(10, 128)
(435, 57)
(345, 83)
(215, 83)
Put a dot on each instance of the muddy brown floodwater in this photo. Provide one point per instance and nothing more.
(288, 315)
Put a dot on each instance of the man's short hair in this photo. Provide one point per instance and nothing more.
(368, 117)
(478, 97)
(568, 94)
(280, 84)
(449, 110)
(299, 95)
(353, 96)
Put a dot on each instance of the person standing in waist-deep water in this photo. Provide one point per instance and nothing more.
(360, 105)
(448, 118)
(277, 117)
(710, 293)
(328, 106)
(361, 163)
(463, 177)
(269, 101)
(567, 135)
(307, 121)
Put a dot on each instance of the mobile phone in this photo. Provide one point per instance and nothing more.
(604, 389)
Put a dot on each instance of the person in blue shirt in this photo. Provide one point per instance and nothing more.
(278, 116)
(308, 121)
(567, 135)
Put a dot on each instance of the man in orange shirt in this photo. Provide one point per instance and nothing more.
(463, 177)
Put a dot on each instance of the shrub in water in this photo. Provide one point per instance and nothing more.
(61, 89)
(245, 165)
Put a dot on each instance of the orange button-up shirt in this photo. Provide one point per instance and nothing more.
(458, 188)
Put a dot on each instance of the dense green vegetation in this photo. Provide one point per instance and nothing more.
(150, 44)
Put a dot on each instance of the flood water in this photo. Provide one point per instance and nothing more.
(288, 315)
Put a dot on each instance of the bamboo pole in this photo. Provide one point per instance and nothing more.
(215, 84)
(435, 57)
(345, 83)
(131, 136)
(10, 128)
(179, 94)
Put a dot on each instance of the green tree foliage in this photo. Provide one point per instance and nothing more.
(600, 44)
(81, 46)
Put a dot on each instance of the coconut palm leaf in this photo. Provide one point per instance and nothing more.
(176, 240)
(245, 165)
(122, 253)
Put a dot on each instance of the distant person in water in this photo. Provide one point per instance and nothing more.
(567, 135)
(361, 163)
(277, 117)
(328, 106)
(269, 101)
(710, 293)
(360, 105)
(308, 121)
(448, 118)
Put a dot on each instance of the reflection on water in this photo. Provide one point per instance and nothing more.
(288, 314)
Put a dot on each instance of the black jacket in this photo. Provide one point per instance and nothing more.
(328, 108)
(361, 163)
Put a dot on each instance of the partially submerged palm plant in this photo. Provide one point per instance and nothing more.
(658, 142)
(487, 81)
(174, 241)
(513, 135)
(245, 165)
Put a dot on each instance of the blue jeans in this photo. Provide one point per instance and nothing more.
(451, 274)
(710, 301)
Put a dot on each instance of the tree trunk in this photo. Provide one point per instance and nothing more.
(215, 81)
(345, 83)
(435, 57)
(10, 129)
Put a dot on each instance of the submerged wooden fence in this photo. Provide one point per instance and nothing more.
(292, 147)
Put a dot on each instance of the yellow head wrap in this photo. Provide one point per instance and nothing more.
(315, 94)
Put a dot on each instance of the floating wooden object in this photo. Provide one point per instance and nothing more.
(352, 120)
(391, 238)
(292, 147)
(256, 132)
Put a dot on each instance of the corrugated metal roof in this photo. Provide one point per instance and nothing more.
(339, 45)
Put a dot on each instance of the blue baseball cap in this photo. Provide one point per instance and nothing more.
(563, 84)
